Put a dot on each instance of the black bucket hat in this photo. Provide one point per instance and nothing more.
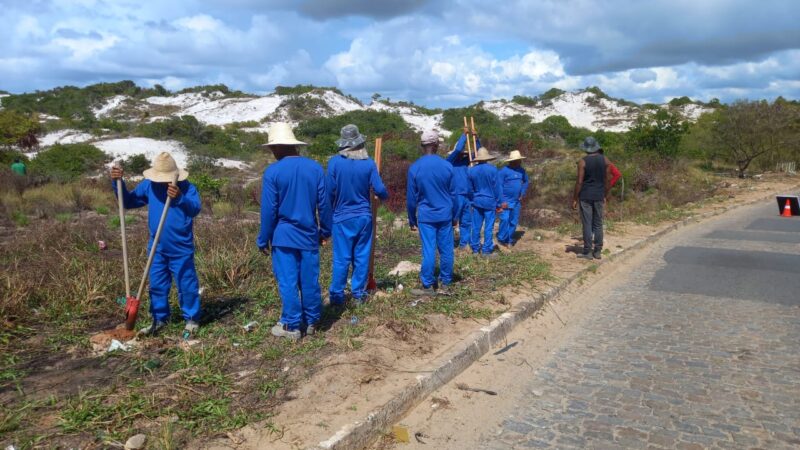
(350, 137)
(590, 145)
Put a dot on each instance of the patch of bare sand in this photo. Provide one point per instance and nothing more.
(349, 385)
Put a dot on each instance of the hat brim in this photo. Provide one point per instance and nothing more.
(593, 149)
(286, 142)
(515, 159)
(488, 158)
(164, 177)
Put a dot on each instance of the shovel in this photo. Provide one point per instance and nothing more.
(132, 303)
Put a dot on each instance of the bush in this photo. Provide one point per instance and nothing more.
(321, 133)
(136, 164)
(524, 100)
(65, 162)
(18, 129)
(204, 140)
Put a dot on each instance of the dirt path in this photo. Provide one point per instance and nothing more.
(347, 386)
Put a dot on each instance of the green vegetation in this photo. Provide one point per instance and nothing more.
(204, 140)
(135, 164)
(65, 162)
(207, 90)
(18, 129)
(660, 133)
(322, 133)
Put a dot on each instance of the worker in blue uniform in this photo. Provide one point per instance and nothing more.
(431, 201)
(295, 221)
(459, 158)
(485, 202)
(351, 174)
(174, 256)
(513, 182)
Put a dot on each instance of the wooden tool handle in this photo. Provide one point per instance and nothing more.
(121, 205)
(469, 148)
(378, 149)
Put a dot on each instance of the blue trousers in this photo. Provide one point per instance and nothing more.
(482, 218)
(163, 270)
(297, 273)
(436, 235)
(509, 219)
(464, 215)
(352, 240)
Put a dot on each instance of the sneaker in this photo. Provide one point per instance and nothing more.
(311, 330)
(281, 330)
(585, 255)
(153, 329)
(423, 291)
(597, 254)
(190, 329)
(444, 290)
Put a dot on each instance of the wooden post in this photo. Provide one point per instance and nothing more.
(469, 148)
(372, 285)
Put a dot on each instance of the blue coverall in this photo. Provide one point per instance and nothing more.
(293, 195)
(485, 200)
(460, 161)
(431, 201)
(513, 182)
(174, 256)
(349, 182)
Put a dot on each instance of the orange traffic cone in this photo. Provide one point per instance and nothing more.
(787, 209)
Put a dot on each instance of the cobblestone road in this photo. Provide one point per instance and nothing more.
(700, 348)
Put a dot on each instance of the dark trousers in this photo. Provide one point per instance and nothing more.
(592, 218)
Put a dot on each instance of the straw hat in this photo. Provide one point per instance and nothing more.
(164, 170)
(515, 155)
(280, 133)
(590, 145)
(430, 137)
(350, 137)
(483, 155)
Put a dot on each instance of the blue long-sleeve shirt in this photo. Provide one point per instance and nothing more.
(460, 161)
(484, 187)
(295, 208)
(513, 182)
(349, 181)
(431, 192)
(177, 237)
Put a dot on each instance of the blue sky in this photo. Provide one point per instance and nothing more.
(433, 52)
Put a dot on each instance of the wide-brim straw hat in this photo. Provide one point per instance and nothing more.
(281, 133)
(515, 155)
(590, 145)
(350, 137)
(483, 155)
(164, 170)
(429, 137)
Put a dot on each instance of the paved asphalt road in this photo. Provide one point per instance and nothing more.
(697, 346)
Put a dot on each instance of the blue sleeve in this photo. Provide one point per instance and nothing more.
(135, 198)
(477, 143)
(525, 182)
(497, 190)
(471, 182)
(269, 211)
(330, 180)
(377, 183)
(453, 156)
(501, 177)
(189, 200)
(411, 198)
(324, 208)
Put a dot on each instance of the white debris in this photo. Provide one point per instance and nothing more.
(117, 345)
(405, 267)
(136, 442)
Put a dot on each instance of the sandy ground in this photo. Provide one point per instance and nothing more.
(350, 385)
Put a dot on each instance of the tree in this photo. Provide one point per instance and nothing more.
(749, 130)
(17, 129)
(660, 133)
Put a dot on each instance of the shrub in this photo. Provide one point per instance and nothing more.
(67, 162)
(524, 100)
(136, 164)
(18, 129)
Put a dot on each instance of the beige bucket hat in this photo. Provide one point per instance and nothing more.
(164, 169)
(280, 133)
(483, 155)
(515, 155)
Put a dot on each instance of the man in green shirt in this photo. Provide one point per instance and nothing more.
(18, 167)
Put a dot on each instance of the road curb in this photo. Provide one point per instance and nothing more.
(360, 434)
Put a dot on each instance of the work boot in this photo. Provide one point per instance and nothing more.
(423, 291)
(311, 330)
(598, 253)
(585, 255)
(281, 330)
(153, 329)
